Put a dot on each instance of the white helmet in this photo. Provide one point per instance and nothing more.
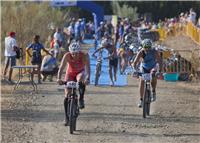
(74, 47)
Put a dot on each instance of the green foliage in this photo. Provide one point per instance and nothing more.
(124, 10)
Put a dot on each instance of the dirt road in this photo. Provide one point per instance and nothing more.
(111, 115)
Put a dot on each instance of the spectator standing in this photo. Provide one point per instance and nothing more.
(91, 27)
(110, 27)
(100, 31)
(58, 36)
(71, 32)
(83, 29)
(36, 47)
(77, 30)
(10, 55)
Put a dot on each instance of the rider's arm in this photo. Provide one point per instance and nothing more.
(62, 66)
(137, 59)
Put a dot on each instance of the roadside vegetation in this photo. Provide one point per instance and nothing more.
(27, 19)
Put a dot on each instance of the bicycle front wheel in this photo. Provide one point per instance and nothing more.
(145, 102)
(148, 101)
(76, 112)
(71, 117)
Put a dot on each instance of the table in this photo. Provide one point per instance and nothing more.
(20, 68)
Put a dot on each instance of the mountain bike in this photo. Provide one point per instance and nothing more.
(72, 108)
(147, 93)
(147, 77)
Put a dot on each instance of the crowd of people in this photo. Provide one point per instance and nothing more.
(168, 23)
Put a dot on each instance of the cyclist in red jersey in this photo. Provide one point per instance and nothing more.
(78, 69)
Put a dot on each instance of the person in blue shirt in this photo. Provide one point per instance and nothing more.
(150, 59)
(36, 57)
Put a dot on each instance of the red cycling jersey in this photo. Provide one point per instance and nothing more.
(74, 67)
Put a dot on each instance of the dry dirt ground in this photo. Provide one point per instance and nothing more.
(111, 115)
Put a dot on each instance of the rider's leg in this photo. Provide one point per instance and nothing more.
(153, 84)
(115, 68)
(141, 89)
(80, 79)
(65, 107)
(110, 74)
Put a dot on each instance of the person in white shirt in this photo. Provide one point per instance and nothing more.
(58, 37)
(71, 31)
(10, 54)
(56, 49)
